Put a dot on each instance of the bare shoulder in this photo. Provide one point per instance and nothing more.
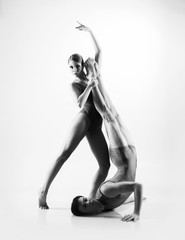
(76, 88)
(75, 83)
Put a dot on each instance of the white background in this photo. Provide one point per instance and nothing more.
(143, 46)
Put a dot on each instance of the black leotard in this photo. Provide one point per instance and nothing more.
(90, 110)
(110, 203)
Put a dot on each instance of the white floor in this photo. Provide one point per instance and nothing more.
(162, 217)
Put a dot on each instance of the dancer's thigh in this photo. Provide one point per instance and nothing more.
(77, 131)
(99, 147)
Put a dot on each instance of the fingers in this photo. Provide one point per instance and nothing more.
(44, 207)
(82, 27)
(79, 28)
(125, 218)
(129, 218)
(90, 61)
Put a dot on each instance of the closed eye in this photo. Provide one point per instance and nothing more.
(84, 200)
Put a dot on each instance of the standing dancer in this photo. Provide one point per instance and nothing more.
(88, 122)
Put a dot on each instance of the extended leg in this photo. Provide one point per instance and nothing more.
(107, 101)
(116, 138)
(115, 113)
(75, 135)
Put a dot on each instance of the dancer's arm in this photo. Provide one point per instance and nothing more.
(138, 197)
(98, 52)
(98, 58)
(127, 187)
(81, 98)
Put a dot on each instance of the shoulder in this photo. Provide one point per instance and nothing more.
(75, 85)
(76, 88)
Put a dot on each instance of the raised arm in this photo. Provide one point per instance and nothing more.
(98, 53)
(98, 58)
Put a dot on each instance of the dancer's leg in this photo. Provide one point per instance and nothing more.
(112, 108)
(106, 97)
(94, 68)
(116, 137)
(99, 148)
(125, 131)
(77, 131)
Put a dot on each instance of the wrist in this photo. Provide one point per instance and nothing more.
(89, 87)
(136, 213)
(89, 77)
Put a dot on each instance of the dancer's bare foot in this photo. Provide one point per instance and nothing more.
(92, 68)
(42, 200)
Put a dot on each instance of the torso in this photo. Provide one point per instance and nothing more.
(111, 203)
(126, 167)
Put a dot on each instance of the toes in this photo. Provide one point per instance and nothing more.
(44, 207)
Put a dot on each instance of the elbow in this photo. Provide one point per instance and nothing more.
(139, 186)
(98, 55)
(79, 103)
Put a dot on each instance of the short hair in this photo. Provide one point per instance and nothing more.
(75, 207)
(77, 58)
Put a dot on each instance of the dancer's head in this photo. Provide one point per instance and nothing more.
(81, 206)
(76, 64)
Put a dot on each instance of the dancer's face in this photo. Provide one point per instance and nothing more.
(89, 206)
(75, 67)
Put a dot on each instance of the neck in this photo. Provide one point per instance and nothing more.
(82, 76)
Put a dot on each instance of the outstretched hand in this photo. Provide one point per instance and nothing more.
(83, 27)
(130, 217)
